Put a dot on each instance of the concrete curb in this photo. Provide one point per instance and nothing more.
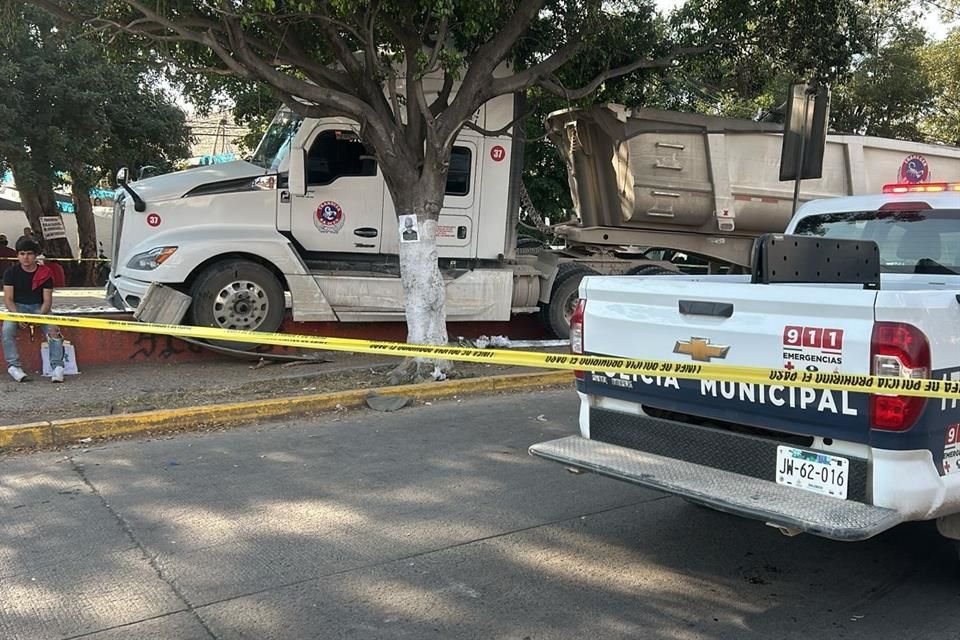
(62, 432)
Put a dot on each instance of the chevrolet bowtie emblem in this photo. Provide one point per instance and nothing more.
(700, 349)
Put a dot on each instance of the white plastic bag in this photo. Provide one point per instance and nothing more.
(69, 359)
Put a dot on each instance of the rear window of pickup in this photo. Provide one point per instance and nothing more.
(924, 241)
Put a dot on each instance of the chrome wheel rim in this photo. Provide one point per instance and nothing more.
(242, 304)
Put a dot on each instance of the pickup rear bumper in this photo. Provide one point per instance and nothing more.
(735, 493)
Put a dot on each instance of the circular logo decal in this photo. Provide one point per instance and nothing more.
(914, 169)
(329, 217)
(153, 220)
(498, 153)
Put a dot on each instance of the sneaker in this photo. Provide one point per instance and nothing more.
(57, 375)
(17, 374)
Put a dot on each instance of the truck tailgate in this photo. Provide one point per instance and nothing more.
(737, 323)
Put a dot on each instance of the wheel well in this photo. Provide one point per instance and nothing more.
(235, 256)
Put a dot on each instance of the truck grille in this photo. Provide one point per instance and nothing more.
(738, 453)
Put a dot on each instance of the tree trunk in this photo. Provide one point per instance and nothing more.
(423, 287)
(424, 293)
(39, 201)
(87, 232)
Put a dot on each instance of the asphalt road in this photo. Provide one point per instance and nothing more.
(432, 522)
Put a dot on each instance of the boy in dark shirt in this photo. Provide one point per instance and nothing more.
(28, 288)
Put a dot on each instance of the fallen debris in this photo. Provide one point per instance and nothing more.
(387, 403)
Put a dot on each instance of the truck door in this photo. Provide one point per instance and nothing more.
(341, 208)
(456, 228)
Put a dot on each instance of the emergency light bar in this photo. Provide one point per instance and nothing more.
(925, 187)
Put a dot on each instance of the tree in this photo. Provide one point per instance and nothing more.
(29, 132)
(71, 115)
(941, 63)
(336, 58)
(889, 90)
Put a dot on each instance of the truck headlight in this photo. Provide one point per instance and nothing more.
(150, 260)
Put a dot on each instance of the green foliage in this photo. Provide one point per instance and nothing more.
(889, 92)
(66, 108)
(869, 51)
(941, 64)
(754, 49)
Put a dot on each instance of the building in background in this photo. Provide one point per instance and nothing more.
(215, 139)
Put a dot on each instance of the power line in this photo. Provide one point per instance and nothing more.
(942, 8)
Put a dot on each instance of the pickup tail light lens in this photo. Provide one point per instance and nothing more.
(576, 332)
(897, 350)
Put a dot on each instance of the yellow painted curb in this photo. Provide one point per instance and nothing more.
(61, 432)
(32, 434)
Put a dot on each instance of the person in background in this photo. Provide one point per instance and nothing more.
(28, 288)
(7, 254)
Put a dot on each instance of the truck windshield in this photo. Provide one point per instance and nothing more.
(275, 145)
(921, 241)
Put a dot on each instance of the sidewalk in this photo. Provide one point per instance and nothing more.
(144, 401)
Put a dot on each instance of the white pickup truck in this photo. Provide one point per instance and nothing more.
(840, 464)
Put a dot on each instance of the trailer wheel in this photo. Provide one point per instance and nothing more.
(650, 270)
(237, 294)
(563, 298)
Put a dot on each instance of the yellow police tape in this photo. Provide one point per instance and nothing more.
(720, 372)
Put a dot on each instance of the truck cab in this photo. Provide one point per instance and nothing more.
(309, 213)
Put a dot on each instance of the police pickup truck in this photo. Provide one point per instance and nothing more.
(857, 285)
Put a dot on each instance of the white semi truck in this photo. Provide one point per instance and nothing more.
(309, 215)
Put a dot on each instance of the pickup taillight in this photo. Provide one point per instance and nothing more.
(897, 350)
(576, 332)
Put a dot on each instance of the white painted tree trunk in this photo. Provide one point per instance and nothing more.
(425, 296)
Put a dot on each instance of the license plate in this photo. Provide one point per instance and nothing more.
(813, 471)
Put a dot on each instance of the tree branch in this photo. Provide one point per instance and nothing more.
(481, 64)
(469, 124)
(594, 84)
(298, 57)
(527, 77)
(443, 96)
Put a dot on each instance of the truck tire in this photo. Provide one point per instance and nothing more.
(237, 294)
(563, 298)
(650, 270)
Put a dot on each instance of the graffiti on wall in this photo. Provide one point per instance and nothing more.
(152, 346)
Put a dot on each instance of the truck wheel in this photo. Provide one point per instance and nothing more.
(237, 294)
(563, 298)
(650, 270)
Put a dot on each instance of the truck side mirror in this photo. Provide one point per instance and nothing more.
(123, 175)
(298, 172)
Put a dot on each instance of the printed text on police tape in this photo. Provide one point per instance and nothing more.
(724, 373)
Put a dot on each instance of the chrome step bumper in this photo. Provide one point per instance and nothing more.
(778, 505)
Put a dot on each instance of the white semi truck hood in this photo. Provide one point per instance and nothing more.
(177, 184)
